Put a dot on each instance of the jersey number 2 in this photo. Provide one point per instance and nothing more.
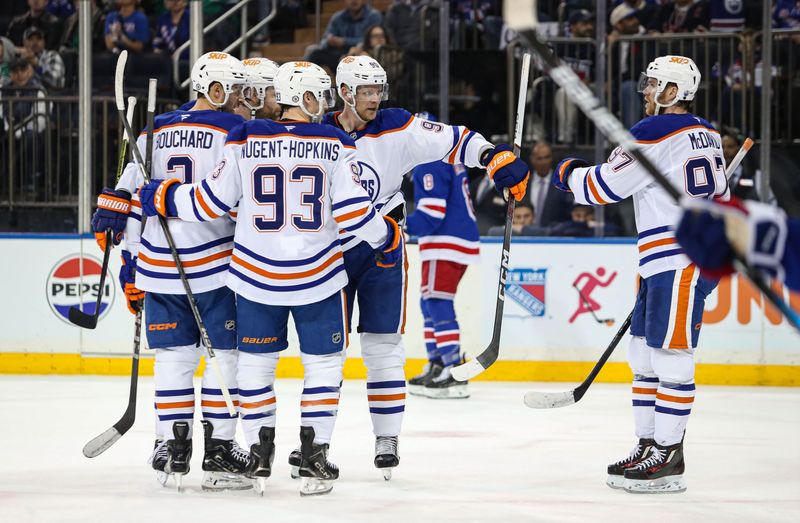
(183, 164)
(269, 189)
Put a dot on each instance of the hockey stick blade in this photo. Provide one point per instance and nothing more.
(82, 319)
(473, 367)
(102, 443)
(77, 316)
(549, 400)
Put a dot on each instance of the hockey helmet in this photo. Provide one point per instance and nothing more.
(294, 79)
(260, 77)
(355, 71)
(217, 67)
(679, 70)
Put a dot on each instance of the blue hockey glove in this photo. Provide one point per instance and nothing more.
(127, 274)
(157, 198)
(507, 171)
(564, 169)
(391, 252)
(112, 213)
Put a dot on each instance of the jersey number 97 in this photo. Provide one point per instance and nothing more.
(700, 179)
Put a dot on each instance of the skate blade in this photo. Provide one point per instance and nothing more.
(162, 478)
(417, 390)
(387, 473)
(455, 392)
(179, 482)
(665, 485)
(615, 481)
(260, 486)
(295, 472)
(214, 481)
(315, 486)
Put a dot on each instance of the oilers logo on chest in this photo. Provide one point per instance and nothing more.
(369, 180)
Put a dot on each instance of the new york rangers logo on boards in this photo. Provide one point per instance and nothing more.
(75, 284)
(526, 287)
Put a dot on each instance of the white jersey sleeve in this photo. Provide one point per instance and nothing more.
(214, 196)
(455, 144)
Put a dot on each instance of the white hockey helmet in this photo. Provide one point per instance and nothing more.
(294, 79)
(354, 71)
(260, 77)
(219, 67)
(679, 70)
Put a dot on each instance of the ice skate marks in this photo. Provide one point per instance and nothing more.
(74, 281)
(527, 288)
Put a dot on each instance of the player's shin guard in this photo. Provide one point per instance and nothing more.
(675, 396)
(384, 357)
(256, 377)
(645, 384)
(319, 403)
(174, 402)
(212, 402)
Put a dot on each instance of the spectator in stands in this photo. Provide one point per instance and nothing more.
(580, 58)
(70, 39)
(522, 223)
(47, 64)
(786, 15)
(61, 9)
(551, 204)
(742, 180)
(727, 16)
(127, 28)
(627, 62)
(403, 20)
(345, 30)
(172, 29)
(646, 10)
(7, 48)
(375, 36)
(682, 16)
(582, 225)
(38, 16)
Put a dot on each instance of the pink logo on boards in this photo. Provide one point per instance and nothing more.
(586, 283)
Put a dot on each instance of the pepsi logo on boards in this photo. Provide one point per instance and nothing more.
(75, 284)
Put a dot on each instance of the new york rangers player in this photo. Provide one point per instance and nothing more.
(187, 145)
(668, 312)
(393, 142)
(447, 232)
(297, 184)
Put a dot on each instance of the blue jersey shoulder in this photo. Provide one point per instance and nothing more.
(268, 128)
(388, 120)
(654, 128)
(224, 121)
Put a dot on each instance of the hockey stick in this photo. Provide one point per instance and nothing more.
(76, 315)
(607, 321)
(520, 15)
(104, 441)
(204, 338)
(550, 400)
(485, 359)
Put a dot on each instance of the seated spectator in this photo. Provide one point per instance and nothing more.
(786, 15)
(345, 30)
(580, 58)
(48, 65)
(7, 48)
(727, 17)
(627, 61)
(522, 223)
(682, 16)
(172, 29)
(582, 224)
(742, 180)
(61, 9)
(646, 10)
(403, 21)
(70, 37)
(374, 37)
(551, 204)
(37, 15)
(127, 28)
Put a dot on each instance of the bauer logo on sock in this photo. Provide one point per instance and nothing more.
(75, 284)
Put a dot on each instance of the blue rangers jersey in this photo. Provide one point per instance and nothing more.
(444, 220)
(395, 142)
(687, 150)
(296, 184)
(186, 146)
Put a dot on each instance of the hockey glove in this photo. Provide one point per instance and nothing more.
(391, 252)
(157, 198)
(564, 169)
(709, 235)
(127, 273)
(112, 213)
(506, 170)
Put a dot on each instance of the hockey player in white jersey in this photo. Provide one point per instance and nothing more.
(187, 145)
(258, 94)
(668, 312)
(393, 141)
(298, 185)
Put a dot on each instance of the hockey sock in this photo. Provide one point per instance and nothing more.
(673, 406)
(212, 402)
(644, 404)
(446, 331)
(384, 356)
(174, 369)
(430, 338)
(319, 403)
(255, 376)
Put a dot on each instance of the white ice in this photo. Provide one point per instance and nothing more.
(488, 458)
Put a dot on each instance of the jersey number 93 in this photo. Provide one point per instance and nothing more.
(269, 189)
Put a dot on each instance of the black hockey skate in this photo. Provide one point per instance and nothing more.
(317, 472)
(178, 455)
(445, 386)
(659, 472)
(262, 454)
(386, 455)
(616, 471)
(417, 384)
(294, 460)
(224, 462)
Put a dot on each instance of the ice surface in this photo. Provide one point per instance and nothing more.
(488, 458)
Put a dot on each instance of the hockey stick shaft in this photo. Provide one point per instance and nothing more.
(486, 358)
(204, 338)
(614, 131)
(588, 305)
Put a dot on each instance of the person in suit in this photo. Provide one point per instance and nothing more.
(522, 225)
(551, 205)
